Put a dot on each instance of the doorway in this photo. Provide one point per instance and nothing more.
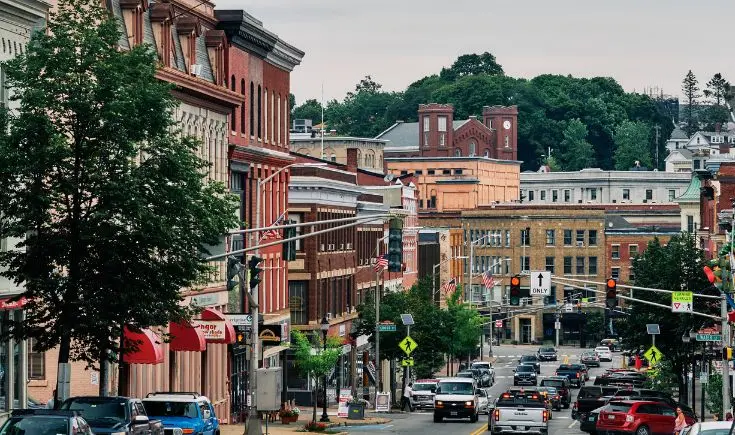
(525, 331)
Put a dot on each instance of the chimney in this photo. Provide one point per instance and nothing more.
(352, 160)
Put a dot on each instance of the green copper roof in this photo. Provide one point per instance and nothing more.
(692, 192)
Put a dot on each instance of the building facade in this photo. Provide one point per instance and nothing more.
(369, 151)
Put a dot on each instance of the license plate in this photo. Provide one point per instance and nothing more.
(611, 417)
(590, 418)
(453, 413)
(522, 428)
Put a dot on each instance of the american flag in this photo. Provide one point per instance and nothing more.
(488, 279)
(381, 263)
(273, 233)
(450, 286)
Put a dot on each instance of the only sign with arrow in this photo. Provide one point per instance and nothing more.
(540, 283)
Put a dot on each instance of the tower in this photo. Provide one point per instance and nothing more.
(436, 132)
(503, 120)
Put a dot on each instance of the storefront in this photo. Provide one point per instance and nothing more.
(13, 359)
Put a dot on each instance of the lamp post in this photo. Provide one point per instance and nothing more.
(325, 328)
(433, 272)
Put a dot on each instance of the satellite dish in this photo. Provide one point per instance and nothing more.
(388, 177)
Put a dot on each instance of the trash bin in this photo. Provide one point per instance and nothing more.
(356, 411)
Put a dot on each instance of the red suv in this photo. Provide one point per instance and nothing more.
(637, 417)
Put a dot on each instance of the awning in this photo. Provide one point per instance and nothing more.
(214, 314)
(273, 350)
(149, 349)
(12, 303)
(185, 337)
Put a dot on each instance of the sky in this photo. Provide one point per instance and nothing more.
(640, 43)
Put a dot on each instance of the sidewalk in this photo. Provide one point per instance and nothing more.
(278, 428)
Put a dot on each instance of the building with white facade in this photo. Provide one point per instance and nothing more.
(595, 186)
(334, 148)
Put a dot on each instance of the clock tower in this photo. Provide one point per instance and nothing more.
(503, 120)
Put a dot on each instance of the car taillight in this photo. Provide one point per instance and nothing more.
(556, 397)
(546, 415)
(576, 405)
(629, 418)
(577, 374)
(497, 415)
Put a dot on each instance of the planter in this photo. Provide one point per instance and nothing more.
(356, 411)
(289, 419)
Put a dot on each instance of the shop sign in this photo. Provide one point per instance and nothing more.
(240, 319)
(12, 304)
(205, 300)
(270, 334)
(214, 330)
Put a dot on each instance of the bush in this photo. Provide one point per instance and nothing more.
(314, 426)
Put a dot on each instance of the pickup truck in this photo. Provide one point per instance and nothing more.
(182, 413)
(590, 398)
(572, 372)
(114, 415)
(519, 412)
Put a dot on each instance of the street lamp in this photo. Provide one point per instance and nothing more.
(433, 270)
(324, 326)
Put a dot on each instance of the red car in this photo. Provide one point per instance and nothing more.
(637, 417)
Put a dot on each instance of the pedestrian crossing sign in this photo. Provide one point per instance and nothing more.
(653, 355)
(407, 345)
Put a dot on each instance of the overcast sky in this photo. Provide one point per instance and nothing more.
(641, 43)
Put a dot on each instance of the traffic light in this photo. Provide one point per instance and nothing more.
(240, 338)
(515, 290)
(727, 353)
(395, 245)
(254, 271)
(611, 293)
(233, 271)
(289, 248)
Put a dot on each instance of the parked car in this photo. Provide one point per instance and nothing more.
(589, 398)
(483, 401)
(487, 366)
(114, 415)
(574, 374)
(637, 417)
(188, 412)
(547, 354)
(456, 398)
(525, 410)
(531, 360)
(709, 428)
(524, 374)
(590, 359)
(45, 422)
(561, 383)
(588, 423)
(604, 353)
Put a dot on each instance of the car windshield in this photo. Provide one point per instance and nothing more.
(171, 409)
(465, 375)
(525, 358)
(547, 349)
(618, 407)
(98, 411)
(602, 349)
(551, 390)
(421, 387)
(565, 367)
(552, 383)
(456, 388)
(35, 425)
(577, 366)
(525, 369)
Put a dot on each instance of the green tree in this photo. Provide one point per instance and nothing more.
(690, 89)
(463, 326)
(311, 109)
(713, 401)
(719, 89)
(576, 152)
(313, 360)
(110, 202)
(472, 64)
(632, 144)
(663, 378)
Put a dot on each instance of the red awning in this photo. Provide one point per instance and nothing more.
(149, 349)
(12, 303)
(185, 337)
(213, 314)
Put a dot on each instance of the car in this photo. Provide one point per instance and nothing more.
(456, 398)
(483, 401)
(590, 359)
(45, 422)
(552, 397)
(114, 415)
(482, 376)
(572, 372)
(588, 422)
(637, 417)
(709, 428)
(561, 383)
(590, 398)
(547, 354)
(604, 353)
(611, 343)
(183, 411)
(582, 369)
(485, 365)
(423, 393)
(519, 412)
(531, 360)
(524, 374)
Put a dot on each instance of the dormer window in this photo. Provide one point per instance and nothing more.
(188, 30)
(133, 12)
(161, 15)
(718, 139)
(215, 41)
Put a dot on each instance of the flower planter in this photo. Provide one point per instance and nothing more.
(289, 419)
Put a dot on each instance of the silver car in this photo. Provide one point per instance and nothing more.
(708, 428)
(483, 401)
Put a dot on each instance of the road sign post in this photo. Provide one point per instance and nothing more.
(682, 302)
(540, 281)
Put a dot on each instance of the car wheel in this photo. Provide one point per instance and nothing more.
(642, 430)
(566, 406)
(438, 418)
(475, 417)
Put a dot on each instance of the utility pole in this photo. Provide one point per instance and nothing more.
(658, 133)
(725, 363)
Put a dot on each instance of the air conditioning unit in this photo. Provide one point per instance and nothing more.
(321, 247)
(580, 244)
(195, 69)
(341, 246)
(329, 316)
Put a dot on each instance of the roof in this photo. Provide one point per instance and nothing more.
(692, 192)
(616, 222)
(678, 133)
(406, 134)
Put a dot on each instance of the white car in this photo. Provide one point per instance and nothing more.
(604, 353)
(483, 401)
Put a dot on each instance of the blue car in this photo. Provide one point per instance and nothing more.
(182, 413)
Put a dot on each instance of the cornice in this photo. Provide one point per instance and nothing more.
(285, 56)
(199, 87)
(246, 32)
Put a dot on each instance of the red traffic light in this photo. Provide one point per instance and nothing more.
(611, 283)
(515, 281)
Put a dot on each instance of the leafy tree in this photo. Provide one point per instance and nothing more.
(463, 326)
(576, 152)
(632, 144)
(110, 202)
(315, 364)
(663, 378)
(690, 89)
(713, 399)
(552, 163)
(366, 85)
(291, 101)
(595, 325)
(719, 89)
(472, 64)
(311, 109)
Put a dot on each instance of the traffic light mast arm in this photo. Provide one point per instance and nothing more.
(304, 224)
(634, 287)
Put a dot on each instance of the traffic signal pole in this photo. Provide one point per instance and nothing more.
(726, 394)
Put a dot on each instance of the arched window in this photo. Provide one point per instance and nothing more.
(260, 111)
(457, 152)
(252, 109)
(242, 107)
(473, 149)
(265, 119)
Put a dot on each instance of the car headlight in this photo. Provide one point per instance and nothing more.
(439, 402)
(177, 431)
(118, 433)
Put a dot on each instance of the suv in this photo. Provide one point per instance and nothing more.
(531, 360)
(423, 393)
(485, 365)
(182, 413)
(562, 387)
(456, 398)
(45, 422)
(524, 375)
(547, 354)
(628, 416)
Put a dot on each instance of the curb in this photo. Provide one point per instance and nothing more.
(359, 423)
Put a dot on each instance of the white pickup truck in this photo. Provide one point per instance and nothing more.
(519, 413)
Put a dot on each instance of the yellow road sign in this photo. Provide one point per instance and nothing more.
(407, 345)
(653, 355)
(407, 362)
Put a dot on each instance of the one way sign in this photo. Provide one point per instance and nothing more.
(540, 283)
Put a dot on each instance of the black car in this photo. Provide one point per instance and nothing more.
(524, 374)
(45, 422)
(531, 360)
(546, 354)
(589, 422)
(561, 383)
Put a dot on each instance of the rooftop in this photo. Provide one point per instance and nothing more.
(406, 134)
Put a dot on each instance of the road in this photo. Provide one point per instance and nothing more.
(421, 422)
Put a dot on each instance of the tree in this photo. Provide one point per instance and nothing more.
(595, 326)
(472, 64)
(714, 394)
(632, 144)
(110, 203)
(315, 364)
(311, 109)
(367, 85)
(463, 326)
(576, 152)
(690, 89)
(719, 89)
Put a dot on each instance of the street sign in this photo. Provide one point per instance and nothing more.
(386, 327)
(407, 345)
(407, 362)
(540, 282)
(240, 319)
(653, 355)
(653, 329)
(682, 302)
(557, 325)
(498, 323)
(709, 337)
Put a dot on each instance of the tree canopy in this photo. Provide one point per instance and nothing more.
(576, 152)
(632, 144)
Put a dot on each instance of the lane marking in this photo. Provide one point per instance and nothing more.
(479, 430)
(572, 425)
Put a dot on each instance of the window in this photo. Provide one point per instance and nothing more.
(593, 194)
(649, 194)
(487, 153)
(626, 194)
(507, 238)
(507, 265)
(426, 123)
(672, 194)
(690, 223)
(567, 265)
(592, 266)
(530, 195)
(697, 163)
(421, 203)
(554, 195)
(550, 264)
(631, 274)
(632, 251)
(446, 172)
(418, 172)
(507, 142)
(525, 263)
(36, 361)
(252, 109)
(442, 139)
(580, 266)
(550, 237)
(260, 111)
(298, 301)
(457, 172)
(431, 172)
(615, 255)
(473, 149)
(580, 237)
(543, 195)
(567, 237)
(615, 273)
(592, 237)
(526, 237)
(567, 195)
(457, 152)
(432, 201)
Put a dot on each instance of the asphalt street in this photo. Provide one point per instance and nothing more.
(421, 422)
